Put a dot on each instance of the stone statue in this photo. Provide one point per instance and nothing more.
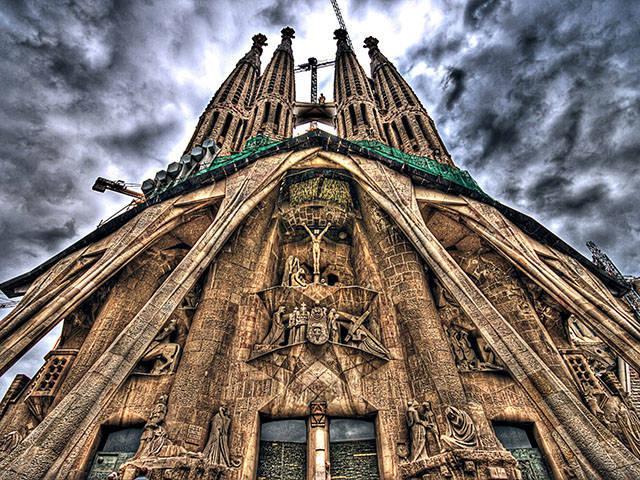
(316, 238)
(154, 435)
(294, 273)
(159, 412)
(417, 433)
(366, 341)
(591, 400)
(461, 432)
(624, 421)
(216, 451)
(579, 332)
(155, 441)
(162, 352)
(462, 350)
(334, 327)
(276, 332)
(298, 324)
(433, 432)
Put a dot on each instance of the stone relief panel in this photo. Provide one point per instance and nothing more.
(163, 354)
(163, 458)
(470, 350)
(320, 314)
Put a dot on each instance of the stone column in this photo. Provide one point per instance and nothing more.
(496, 280)
(143, 276)
(204, 368)
(430, 363)
(318, 442)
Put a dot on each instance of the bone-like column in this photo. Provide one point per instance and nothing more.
(143, 276)
(494, 276)
(431, 366)
(198, 388)
(24, 329)
(50, 450)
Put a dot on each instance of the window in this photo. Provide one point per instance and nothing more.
(116, 447)
(267, 111)
(352, 449)
(276, 119)
(519, 439)
(283, 450)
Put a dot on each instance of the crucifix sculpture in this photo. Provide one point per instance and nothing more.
(316, 237)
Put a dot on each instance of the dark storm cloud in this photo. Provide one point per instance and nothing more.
(539, 100)
(279, 14)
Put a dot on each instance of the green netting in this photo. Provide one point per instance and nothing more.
(425, 164)
(261, 143)
(255, 144)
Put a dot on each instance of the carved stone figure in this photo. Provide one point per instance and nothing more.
(11, 440)
(316, 238)
(579, 333)
(623, 420)
(591, 399)
(361, 337)
(294, 273)
(433, 432)
(334, 327)
(162, 352)
(159, 412)
(154, 435)
(276, 332)
(217, 451)
(462, 349)
(298, 324)
(417, 433)
(461, 431)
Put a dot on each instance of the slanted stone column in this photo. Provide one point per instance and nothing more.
(199, 384)
(143, 276)
(430, 364)
(495, 278)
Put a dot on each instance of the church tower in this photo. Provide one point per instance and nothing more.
(357, 117)
(406, 123)
(319, 307)
(273, 111)
(225, 119)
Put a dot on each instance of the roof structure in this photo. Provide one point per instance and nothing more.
(423, 170)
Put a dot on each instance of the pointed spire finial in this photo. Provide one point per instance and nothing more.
(372, 44)
(253, 55)
(287, 34)
(259, 41)
(342, 37)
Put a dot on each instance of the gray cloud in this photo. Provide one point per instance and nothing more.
(539, 103)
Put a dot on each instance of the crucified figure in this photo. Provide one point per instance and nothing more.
(316, 237)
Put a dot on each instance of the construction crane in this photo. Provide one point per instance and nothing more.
(313, 65)
(336, 8)
(118, 186)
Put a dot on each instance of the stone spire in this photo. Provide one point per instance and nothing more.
(357, 117)
(273, 111)
(225, 118)
(406, 123)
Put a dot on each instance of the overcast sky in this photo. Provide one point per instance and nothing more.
(539, 100)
